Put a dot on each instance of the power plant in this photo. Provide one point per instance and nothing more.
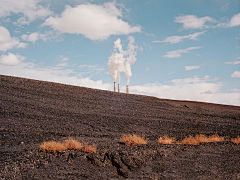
(115, 88)
(121, 61)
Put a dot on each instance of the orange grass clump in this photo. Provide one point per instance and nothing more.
(215, 138)
(166, 140)
(70, 143)
(236, 140)
(52, 146)
(190, 141)
(201, 138)
(90, 148)
(73, 144)
(131, 140)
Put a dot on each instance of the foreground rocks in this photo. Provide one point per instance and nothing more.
(32, 112)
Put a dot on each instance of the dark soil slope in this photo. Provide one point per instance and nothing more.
(32, 112)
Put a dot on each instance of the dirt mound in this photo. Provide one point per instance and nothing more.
(33, 112)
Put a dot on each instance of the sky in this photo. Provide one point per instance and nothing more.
(171, 49)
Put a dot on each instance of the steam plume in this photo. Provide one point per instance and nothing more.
(121, 61)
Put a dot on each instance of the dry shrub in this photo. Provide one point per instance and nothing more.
(89, 148)
(215, 138)
(236, 140)
(166, 140)
(190, 141)
(131, 140)
(71, 143)
(201, 138)
(53, 146)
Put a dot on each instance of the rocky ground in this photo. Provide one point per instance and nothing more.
(32, 112)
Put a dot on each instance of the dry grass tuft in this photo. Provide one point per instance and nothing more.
(52, 146)
(190, 141)
(236, 140)
(215, 138)
(166, 140)
(131, 140)
(73, 144)
(90, 148)
(201, 138)
(70, 143)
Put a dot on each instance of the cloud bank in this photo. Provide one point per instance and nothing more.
(194, 89)
(96, 22)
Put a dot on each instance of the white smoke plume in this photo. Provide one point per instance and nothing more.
(121, 61)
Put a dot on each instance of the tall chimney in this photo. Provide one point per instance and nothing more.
(118, 87)
(115, 88)
(127, 89)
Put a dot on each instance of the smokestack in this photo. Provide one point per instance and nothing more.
(115, 88)
(127, 89)
(118, 87)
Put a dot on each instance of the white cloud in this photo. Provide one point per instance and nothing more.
(63, 59)
(33, 37)
(177, 39)
(62, 64)
(235, 21)
(147, 69)
(233, 62)
(96, 22)
(193, 22)
(7, 42)
(194, 89)
(236, 74)
(82, 66)
(30, 9)
(10, 59)
(235, 90)
(188, 68)
(179, 52)
(206, 77)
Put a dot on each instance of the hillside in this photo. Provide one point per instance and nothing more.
(32, 112)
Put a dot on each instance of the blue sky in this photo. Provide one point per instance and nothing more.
(177, 49)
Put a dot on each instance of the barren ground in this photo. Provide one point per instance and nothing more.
(32, 112)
